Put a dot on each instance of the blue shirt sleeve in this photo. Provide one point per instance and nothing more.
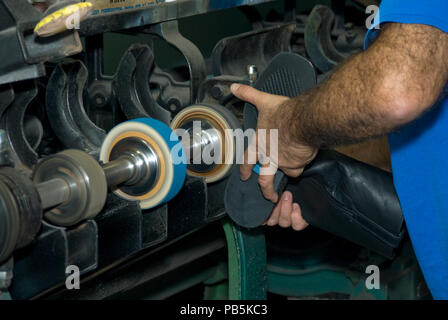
(429, 12)
(419, 152)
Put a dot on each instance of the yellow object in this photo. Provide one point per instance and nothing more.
(66, 18)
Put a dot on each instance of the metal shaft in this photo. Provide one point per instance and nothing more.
(53, 192)
(56, 191)
(119, 171)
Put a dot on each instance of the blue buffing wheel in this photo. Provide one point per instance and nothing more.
(167, 169)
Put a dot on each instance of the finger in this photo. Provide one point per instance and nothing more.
(286, 210)
(273, 219)
(268, 167)
(246, 171)
(293, 173)
(250, 159)
(249, 94)
(298, 223)
(266, 183)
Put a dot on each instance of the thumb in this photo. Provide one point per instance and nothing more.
(248, 93)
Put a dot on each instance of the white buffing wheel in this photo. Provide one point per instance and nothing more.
(225, 122)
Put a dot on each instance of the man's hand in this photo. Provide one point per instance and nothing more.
(292, 155)
(287, 214)
(393, 82)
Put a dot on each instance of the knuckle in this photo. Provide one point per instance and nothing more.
(301, 225)
(267, 195)
(295, 175)
(284, 223)
(263, 183)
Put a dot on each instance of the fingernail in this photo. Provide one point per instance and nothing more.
(295, 207)
(286, 196)
(234, 87)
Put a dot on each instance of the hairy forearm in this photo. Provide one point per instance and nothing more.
(374, 92)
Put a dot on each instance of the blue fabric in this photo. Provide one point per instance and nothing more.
(419, 154)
